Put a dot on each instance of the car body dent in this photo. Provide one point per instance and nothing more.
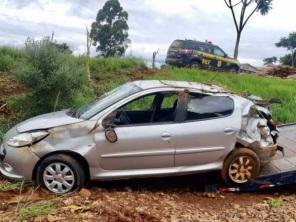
(47, 121)
(76, 137)
(249, 135)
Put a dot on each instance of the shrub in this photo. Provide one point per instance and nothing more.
(54, 78)
(4, 127)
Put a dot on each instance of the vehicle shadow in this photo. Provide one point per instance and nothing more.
(205, 182)
(193, 182)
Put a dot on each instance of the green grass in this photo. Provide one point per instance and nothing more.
(261, 86)
(276, 202)
(8, 57)
(4, 127)
(106, 68)
(8, 186)
(36, 209)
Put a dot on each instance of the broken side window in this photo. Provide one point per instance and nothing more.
(202, 107)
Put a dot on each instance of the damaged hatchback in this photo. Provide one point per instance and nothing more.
(143, 129)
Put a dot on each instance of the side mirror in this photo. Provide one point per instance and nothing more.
(111, 135)
(109, 124)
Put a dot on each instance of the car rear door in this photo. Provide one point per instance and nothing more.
(208, 133)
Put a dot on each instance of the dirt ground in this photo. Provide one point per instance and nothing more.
(8, 87)
(157, 199)
(278, 71)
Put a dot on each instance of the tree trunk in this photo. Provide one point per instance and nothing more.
(238, 37)
(293, 58)
(153, 60)
(88, 45)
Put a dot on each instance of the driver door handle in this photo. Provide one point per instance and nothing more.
(166, 136)
(228, 131)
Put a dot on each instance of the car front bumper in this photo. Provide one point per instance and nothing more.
(17, 163)
(11, 176)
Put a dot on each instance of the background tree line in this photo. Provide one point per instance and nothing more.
(288, 43)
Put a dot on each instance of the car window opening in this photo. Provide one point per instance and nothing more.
(202, 107)
(152, 108)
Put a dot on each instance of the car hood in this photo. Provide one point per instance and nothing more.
(47, 121)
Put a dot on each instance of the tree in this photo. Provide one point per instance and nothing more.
(290, 44)
(270, 60)
(246, 11)
(88, 45)
(62, 47)
(287, 60)
(154, 54)
(110, 30)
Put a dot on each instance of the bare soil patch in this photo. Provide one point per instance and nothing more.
(157, 199)
(8, 87)
(278, 71)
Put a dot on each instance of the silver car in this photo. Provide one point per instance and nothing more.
(143, 129)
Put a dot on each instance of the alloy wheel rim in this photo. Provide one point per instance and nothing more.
(58, 178)
(240, 170)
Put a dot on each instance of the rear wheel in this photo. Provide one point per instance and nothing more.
(233, 69)
(195, 65)
(60, 174)
(241, 166)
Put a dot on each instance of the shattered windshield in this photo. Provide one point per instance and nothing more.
(104, 101)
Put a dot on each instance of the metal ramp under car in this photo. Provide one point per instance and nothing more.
(280, 171)
(287, 162)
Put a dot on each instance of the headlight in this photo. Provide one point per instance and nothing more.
(26, 139)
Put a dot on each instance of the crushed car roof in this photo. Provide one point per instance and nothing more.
(148, 84)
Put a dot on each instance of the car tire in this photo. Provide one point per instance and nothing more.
(233, 70)
(60, 174)
(195, 65)
(241, 166)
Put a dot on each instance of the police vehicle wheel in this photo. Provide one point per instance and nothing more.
(195, 65)
(233, 70)
(241, 166)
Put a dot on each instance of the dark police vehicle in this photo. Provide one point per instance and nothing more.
(195, 54)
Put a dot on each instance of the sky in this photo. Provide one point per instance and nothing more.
(153, 24)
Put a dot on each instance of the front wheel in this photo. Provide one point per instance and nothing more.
(60, 174)
(241, 166)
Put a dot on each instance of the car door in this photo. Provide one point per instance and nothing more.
(209, 131)
(208, 60)
(143, 143)
(220, 60)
